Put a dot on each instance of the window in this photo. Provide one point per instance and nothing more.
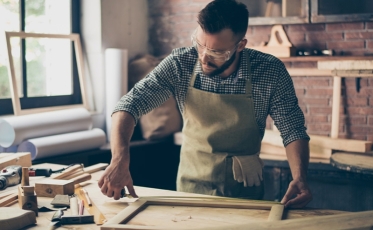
(45, 69)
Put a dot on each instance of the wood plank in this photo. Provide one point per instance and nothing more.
(357, 220)
(23, 159)
(337, 81)
(345, 64)
(348, 145)
(324, 58)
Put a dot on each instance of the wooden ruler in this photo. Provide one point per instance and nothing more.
(99, 218)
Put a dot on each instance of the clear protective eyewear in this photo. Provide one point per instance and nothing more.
(213, 54)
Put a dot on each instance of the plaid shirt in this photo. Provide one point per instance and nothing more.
(273, 89)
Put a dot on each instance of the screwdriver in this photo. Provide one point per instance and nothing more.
(40, 172)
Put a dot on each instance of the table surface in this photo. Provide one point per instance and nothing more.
(187, 217)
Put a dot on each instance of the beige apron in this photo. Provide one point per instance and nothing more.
(217, 127)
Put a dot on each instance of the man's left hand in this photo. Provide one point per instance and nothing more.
(298, 195)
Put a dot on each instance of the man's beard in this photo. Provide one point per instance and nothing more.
(220, 69)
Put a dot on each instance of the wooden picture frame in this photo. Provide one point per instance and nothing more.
(118, 221)
(75, 38)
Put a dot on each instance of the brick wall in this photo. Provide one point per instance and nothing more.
(172, 22)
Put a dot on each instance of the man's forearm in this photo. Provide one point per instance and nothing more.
(122, 128)
(298, 156)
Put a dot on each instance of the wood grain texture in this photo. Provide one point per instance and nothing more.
(353, 162)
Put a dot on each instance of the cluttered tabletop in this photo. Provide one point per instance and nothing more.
(71, 199)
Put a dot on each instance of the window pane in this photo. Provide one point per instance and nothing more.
(48, 16)
(48, 67)
(9, 21)
(48, 61)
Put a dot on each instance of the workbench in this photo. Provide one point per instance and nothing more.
(164, 215)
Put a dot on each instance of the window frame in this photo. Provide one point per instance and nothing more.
(28, 103)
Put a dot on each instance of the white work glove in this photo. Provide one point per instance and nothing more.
(248, 169)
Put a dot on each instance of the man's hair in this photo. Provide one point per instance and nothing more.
(224, 14)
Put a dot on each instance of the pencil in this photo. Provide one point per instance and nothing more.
(86, 196)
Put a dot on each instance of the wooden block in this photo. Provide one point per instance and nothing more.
(22, 159)
(27, 202)
(52, 187)
(274, 138)
(14, 218)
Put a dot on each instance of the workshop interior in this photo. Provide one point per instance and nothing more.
(65, 65)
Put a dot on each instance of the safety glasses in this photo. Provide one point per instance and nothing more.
(215, 55)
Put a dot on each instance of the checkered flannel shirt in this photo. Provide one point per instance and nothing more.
(272, 87)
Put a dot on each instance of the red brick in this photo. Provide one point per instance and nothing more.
(296, 37)
(346, 45)
(364, 91)
(311, 45)
(318, 132)
(370, 44)
(345, 26)
(256, 40)
(359, 110)
(261, 30)
(299, 92)
(316, 118)
(370, 120)
(321, 92)
(354, 120)
(319, 127)
(312, 81)
(287, 64)
(361, 129)
(351, 82)
(358, 137)
(314, 101)
(354, 52)
(369, 138)
(369, 25)
(324, 36)
(319, 110)
(306, 27)
(357, 101)
(359, 35)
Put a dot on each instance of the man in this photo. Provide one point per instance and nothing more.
(225, 93)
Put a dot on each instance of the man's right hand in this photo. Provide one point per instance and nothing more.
(114, 179)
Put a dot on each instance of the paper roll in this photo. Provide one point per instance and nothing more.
(43, 124)
(63, 144)
(11, 149)
(7, 134)
(116, 75)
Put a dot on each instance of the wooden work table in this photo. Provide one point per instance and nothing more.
(164, 215)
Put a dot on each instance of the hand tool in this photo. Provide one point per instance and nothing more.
(10, 175)
(59, 218)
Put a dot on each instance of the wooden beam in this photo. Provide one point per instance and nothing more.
(349, 145)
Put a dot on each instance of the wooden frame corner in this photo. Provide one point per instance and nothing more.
(75, 38)
(118, 221)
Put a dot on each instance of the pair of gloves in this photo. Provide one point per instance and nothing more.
(248, 169)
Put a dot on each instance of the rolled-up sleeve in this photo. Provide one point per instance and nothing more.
(151, 91)
(284, 109)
